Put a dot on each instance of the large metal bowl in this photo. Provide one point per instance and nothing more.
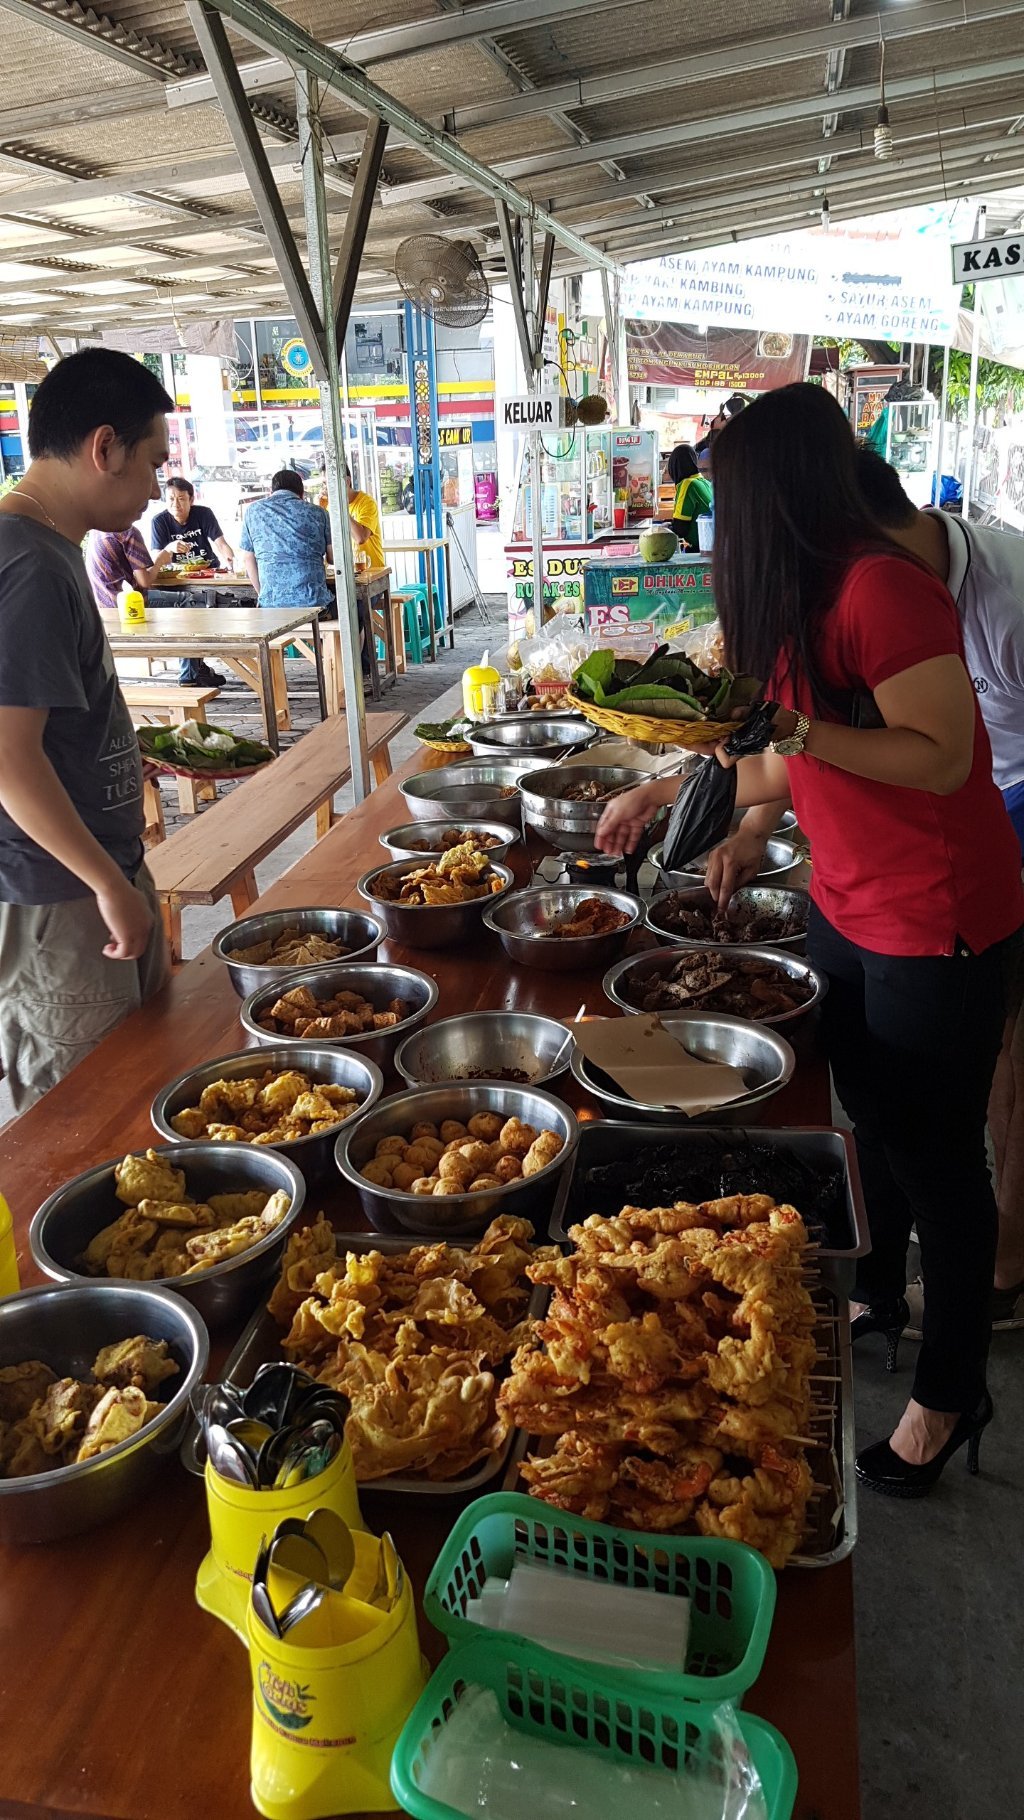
(523, 922)
(644, 966)
(532, 735)
(376, 981)
(311, 1155)
(448, 1215)
(467, 792)
(571, 827)
(398, 841)
(72, 1216)
(480, 1044)
(360, 934)
(782, 861)
(776, 898)
(66, 1327)
(765, 1057)
(428, 925)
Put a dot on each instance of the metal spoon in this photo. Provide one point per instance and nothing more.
(301, 1556)
(334, 1539)
(229, 1460)
(302, 1606)
(264, 1610)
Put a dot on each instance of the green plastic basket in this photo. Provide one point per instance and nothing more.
(554, 1698)
(730, 1587)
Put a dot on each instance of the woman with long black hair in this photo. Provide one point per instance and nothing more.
(692, 496)
(917, 904)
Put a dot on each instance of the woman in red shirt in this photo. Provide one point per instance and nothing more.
(917, 902)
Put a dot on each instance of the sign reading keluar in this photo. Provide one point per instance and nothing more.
(542, 412)
(975, 259)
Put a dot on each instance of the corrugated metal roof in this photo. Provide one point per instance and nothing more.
(696, 115)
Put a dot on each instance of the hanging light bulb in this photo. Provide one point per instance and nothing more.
(826, 214)
(883, 131)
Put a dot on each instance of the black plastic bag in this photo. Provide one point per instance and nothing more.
(703, 810)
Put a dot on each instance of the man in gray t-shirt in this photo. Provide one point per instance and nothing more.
(80, 941)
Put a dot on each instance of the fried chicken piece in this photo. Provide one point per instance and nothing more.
(148, 1178)
(191, 1123)
(196, 1216)
(21, 1386)
(280, 1094)
(140, 1362)
(61, 1413)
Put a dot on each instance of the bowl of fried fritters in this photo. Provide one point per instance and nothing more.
(290, 1096)
(260, 950)
(209, 1221)
(95, 1382)
(435, 903)
(370, 1007)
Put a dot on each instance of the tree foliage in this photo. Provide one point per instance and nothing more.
(999, 387)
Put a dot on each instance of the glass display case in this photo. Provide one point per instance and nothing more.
(910, 444)
(592, 481)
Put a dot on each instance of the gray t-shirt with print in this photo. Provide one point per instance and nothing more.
(54, 654)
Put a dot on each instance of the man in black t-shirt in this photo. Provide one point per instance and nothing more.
(81, 944)
(188, 530)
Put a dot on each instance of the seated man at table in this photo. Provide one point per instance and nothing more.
(284, 543)
(189, 531)
(80, 943)
(115, 557)
(364, 516)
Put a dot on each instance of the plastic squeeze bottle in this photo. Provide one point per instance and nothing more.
(10, 1282)
(480, 685)
(131, 606)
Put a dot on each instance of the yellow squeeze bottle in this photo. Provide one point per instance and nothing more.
(131, 606)
(480, 685)
(10, 1281)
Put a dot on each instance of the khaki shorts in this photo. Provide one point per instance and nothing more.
(59, 994)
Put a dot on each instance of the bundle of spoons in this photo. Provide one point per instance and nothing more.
(284, 1429)
(315, 1560)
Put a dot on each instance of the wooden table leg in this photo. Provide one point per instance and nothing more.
(282, 710)
(153, 811)
(369, 641)
(318, 659)
(390, 659)
(448, 621)
(325, 817)
(170, 911)
(381, 762)
(267, 696)
(187, 798)
(428, 565)
(244, 892)
(330, 651)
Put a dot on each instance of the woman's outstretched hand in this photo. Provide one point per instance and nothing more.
(625, 819)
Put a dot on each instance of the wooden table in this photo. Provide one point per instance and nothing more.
(121, 1699)
(240, 635)
(427, 547)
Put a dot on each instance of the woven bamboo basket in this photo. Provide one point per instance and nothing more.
(653, 730)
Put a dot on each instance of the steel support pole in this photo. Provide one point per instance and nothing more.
(314, 198)
(943, 403)
(972, 390)
(357, 220)
(534, 332)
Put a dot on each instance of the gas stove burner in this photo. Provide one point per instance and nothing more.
(593, 868)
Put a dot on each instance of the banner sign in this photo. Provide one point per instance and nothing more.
(974, 259)
(454, 435)
(681, 353)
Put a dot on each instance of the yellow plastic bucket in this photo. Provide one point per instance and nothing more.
(239, 1520)
(327, 1712)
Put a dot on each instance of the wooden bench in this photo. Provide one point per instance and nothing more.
(172, 704)
(216, 855)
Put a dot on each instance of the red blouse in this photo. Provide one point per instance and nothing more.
(895, 870)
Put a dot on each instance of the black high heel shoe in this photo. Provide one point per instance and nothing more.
(885, 1471)
(888, 1318)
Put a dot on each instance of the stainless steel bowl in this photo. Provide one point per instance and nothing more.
(467, 792)
(523, 922)
(66, 1327)
(428, 925)
(72, 1216)
(360, 934)
(532, 735)
(445, 1215)
(764, 1056)
(571, 827)
(482, 1043)
(311, 1155)
(782, 861)
(398, 841)
(775, 898)
(376, 981)
(638, 967)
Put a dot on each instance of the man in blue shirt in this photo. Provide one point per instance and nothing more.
(283, 545)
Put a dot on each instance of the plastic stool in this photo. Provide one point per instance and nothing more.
(413, 595)
(411, 624)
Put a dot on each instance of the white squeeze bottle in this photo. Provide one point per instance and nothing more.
(131, 606)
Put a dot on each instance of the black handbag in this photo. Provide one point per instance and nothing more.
(703, 810)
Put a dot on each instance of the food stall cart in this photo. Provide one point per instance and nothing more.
(121, 1696)
(627, 597)
(596, 485)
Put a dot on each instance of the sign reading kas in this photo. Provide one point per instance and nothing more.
(542, 412)
(974, 259)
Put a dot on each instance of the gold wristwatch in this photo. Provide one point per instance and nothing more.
(794, 745)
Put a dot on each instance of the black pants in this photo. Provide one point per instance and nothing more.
(913, 1043)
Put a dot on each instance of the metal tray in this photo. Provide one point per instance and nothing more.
(260, 1342)
(601, 1140)
(832, 1512)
